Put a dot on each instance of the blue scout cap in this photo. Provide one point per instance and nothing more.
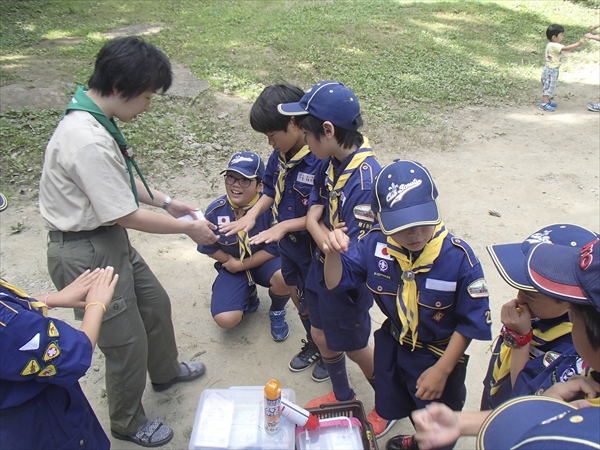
(329, 101)
(509, 259)
(3, 202)
(404, 196)
(248, 164)
(538, 422)
(565, 273)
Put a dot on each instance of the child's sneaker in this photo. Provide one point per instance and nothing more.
(307, 356)
(379, 424)
(554, 105)
(279, 327)
(320, 373)
(329, 398)
(402, 442)
(547, 107)
(253, 302)
(594, 107)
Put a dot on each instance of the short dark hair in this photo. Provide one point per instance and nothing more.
(130, 66)
(554, 30)
(591, 318)
(264, 117)
(345, 138)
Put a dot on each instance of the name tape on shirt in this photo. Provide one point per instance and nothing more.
(306, 178)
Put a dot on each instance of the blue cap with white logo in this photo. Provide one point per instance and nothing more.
(248, 164)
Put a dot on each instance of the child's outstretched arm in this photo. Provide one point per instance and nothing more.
(568, 48)
(276, 232)
(335, 243)
(593, 37)
(247, 222)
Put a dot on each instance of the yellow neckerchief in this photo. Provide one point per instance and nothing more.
(284, 167)
(335, 190)
(408, 309)
(243, 240)
(502, 362)
(19, 293)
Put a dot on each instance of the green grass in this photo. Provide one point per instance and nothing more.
(406, 61)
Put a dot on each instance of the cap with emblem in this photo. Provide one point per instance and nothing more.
(329, 101)
(403, 196)
(565, 273)
(248, 164)
(509, 259)
(3, 202)
(538, 422)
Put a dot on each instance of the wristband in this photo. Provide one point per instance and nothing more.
(514, 339)
(46, 300)
(95, 303)
(167, 202)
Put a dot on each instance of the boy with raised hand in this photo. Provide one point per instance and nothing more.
(289, 178)
(428, 283)
(240, 264)
(329, 114)
(555, 34)
(533, 422)
(536, 327)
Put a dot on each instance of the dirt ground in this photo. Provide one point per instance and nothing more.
(502, 173)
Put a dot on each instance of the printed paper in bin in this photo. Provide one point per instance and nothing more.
(215, 426)
(246, 423)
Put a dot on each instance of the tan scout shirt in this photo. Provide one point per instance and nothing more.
(85, 183)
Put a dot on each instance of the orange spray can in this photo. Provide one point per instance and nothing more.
(272, 406)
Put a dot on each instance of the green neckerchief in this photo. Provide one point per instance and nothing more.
(82, 102)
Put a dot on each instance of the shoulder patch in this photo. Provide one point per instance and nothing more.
(366, 176)
(31, 368)
(478, 289)
(52, 330)
(364, 213)
(49, 371)
(52, 351)
(220, 202)
(468, 251)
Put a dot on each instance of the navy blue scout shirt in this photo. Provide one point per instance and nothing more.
(354, 203)
(220, 212)
(298, 184)
(452, 295)
(36, 351)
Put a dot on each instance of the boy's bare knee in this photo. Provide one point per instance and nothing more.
(278, 286)
(229, 319)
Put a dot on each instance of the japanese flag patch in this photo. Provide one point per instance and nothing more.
(222, 220)
(381, 251)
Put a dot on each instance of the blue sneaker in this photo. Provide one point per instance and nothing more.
(547, 107)
(253, 302)
(554, 105)
(279, 327)
(595, 107)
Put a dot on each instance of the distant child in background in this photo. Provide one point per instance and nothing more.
(288, 181)
(240, 265)
(595, 107)
(427, 282)
(555, 34)
(537, 329)
(329, 114)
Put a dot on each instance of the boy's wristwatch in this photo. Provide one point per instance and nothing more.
(514, 339)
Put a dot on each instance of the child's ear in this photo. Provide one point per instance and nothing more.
(259, 186)
(329, 129)
(293, 124)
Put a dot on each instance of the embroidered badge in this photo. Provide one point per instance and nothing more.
(49, 371)
(549, 358)
(383, 266)
(304, 201)
(52, 351)
(382, 252)
(364, 213)
(567, 374)
(222, 219)
(478, 289)
(52, 330)
(31, 368)
(438, 316)
(33, 344)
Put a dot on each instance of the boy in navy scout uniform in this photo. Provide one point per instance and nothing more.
(289, 179)
(241, 265)
(41, 402)
(428, 283)
(329, 114)
(536, 327)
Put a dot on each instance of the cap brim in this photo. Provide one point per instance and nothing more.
(551, 270)
(397, 220)
(291, 109)
(506, 424)
(3, 202)
(249, 176)
(510, 263)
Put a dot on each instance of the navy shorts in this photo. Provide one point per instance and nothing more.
(343, 316)
(232, 291)
(295, 251)
(397, 370)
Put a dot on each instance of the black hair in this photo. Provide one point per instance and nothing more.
(264, 117)
(554, 30)
(345, 138)
(130, 66)
(591, 318)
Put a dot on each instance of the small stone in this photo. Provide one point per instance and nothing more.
(96, 368)
(222, 115)
(494, 213)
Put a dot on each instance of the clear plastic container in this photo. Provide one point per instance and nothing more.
(339, 433)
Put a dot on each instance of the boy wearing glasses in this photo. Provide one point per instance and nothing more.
(240, 265)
